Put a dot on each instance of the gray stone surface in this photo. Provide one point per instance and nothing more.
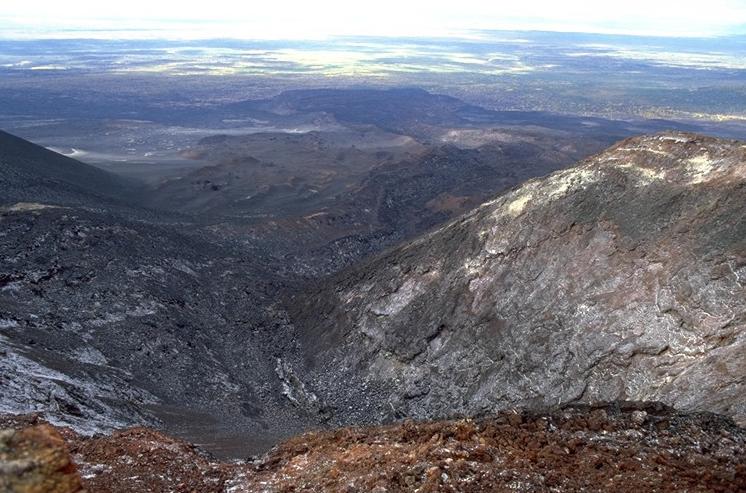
(621, 278)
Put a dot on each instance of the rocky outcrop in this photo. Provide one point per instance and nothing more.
(621, 278)
(625, 447)
(35, 459)
(621, 447)
(131, 460)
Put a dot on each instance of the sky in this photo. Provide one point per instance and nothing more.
(318, 19)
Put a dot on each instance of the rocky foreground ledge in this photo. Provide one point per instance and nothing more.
(613, 447)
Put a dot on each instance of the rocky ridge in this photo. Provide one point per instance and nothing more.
(620, 278)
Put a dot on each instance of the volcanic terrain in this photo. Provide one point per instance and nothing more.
(619, 279)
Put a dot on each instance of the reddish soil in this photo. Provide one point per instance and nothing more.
(136, 460)
(623, 447)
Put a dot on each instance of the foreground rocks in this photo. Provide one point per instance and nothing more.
(617, 447)
(625, 447)
(131, 460)
(35, 459)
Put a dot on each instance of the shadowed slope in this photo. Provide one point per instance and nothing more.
(30, 173)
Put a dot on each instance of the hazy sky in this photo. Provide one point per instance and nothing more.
(286, 19)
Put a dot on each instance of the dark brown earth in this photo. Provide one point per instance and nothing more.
(131, 460)
(621, 447)
(624, 447)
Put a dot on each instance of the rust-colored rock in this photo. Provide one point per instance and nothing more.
(36, 459)
(611, 448)
(135, 460)
(620, 447)
(140, 459)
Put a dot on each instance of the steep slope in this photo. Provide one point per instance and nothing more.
(30, 173)
(111, 315)
(621, 278)
(108, 322)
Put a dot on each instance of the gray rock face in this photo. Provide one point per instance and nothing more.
(108, 322)
(621, 278)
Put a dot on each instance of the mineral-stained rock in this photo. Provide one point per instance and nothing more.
(36, 459)
(134, 460)
(606, 448)
(141, 459)
(621, 278)
(620, 447)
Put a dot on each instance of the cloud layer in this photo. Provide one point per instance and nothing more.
(289, 19)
